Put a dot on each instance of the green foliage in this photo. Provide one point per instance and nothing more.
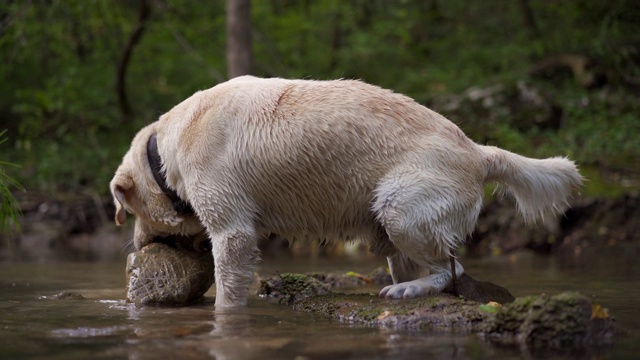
(59, 73)
(599, 128)
(58, 95)
(600, 133)
(9, 210)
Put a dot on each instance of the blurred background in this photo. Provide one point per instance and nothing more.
(542, 78)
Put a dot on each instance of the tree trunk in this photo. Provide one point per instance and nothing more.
(144, 13)
(239, 53)
(529, 19)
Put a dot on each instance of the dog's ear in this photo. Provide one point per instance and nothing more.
(121, 187)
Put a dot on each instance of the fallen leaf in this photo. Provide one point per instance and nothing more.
(490, 307)
(598, 312)
(364, 278)
(385, 314)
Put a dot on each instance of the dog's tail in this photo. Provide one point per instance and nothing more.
(539, 186)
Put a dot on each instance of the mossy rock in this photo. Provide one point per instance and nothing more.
(438, 312)
(291, 287)
(564, 321)
(317, 283)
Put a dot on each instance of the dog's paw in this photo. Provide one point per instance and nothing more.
(407, 290)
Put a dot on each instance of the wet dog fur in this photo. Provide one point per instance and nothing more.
(325, 159)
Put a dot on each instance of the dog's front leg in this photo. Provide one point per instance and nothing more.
(235, 254)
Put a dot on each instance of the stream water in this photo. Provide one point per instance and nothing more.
(38, 321)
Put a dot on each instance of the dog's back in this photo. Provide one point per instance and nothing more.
(310, 155)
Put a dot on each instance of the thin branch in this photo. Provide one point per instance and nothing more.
(144, 13)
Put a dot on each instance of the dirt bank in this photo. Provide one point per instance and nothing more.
(82, 227)
(590, 222)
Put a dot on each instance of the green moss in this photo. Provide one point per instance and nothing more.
(290, 287)
(550, 321)
(367, 314)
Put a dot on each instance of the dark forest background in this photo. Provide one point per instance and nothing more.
(78, 78)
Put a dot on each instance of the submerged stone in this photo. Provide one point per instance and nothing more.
(66, 295)
(160, 274)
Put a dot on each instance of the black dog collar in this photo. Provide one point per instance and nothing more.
(180, 206)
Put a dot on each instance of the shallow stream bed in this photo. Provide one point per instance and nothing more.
(42, 317)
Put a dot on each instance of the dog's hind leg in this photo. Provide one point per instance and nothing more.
(404, 269)
(426, 217)
(439, 279)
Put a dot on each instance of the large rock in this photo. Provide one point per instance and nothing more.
(160, 274)
(567, 321)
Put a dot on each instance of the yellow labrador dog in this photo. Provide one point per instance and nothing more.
(322, 159)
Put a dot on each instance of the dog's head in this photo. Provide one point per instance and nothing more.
(135, 190)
